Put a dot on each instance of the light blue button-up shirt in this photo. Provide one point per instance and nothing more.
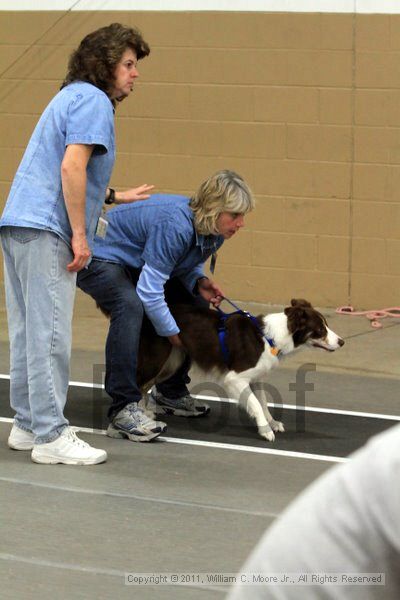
(79, 114)
(157, 235)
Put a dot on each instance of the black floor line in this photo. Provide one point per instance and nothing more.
(307, 432)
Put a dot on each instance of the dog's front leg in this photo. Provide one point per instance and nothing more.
(261, 395)
(239, 388)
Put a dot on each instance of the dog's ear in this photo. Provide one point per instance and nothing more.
(300, 302)
(298, 316)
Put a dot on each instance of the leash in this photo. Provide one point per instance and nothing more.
(223, 317)
(372, 315)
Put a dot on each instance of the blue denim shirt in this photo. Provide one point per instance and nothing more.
(157, 235)
(79, 114)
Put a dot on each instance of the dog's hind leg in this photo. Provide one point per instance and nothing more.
(238, 387)
(261, 396)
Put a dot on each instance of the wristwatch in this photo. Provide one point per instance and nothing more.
(111, 197)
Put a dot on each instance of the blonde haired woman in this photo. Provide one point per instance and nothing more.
(163, 241)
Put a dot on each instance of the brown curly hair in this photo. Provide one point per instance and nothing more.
(98, 54)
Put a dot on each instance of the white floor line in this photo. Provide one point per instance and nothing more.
(108, 493)
(221, 446)
(332, 411)
(37, 562)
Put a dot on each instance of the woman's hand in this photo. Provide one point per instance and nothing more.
(81, 251)
(175, 340)
(134, 194)
(210, 291)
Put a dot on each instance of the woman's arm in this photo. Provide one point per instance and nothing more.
(73, 178)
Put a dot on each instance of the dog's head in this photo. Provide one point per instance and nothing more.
(308, 326)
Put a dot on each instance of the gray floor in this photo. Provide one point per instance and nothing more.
(73, 532)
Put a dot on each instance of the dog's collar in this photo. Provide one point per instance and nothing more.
(223, 317)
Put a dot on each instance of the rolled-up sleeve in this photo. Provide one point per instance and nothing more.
(150, 289)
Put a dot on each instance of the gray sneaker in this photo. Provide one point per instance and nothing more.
(186, 406)
(132, 423)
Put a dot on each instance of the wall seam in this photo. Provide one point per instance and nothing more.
(352, 151)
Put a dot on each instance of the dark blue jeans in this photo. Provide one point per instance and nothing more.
(113, 287)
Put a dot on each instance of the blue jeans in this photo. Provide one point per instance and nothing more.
(113, 287)
(40, 296)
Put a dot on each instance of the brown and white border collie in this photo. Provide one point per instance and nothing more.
(249, 356)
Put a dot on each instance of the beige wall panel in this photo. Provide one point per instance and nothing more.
(172, 173)
(9, 166)
(163, 29)
(377, 145)
(25, 27)
(335, 106)
(333, 254)
(26, 97)
(10, 55)
(377, 107)
(238, 250)
(373, 32)
(302, 178)
(221, 103)
(376, 220)
(319, 142)
(253, 140)
(393, 257)
(241, 67)
(305, 106)
(189, 137)
(269, 30)
(376, 182)
(337, 31)
(71, 27)
(170, 65)
(286, 104)
(317, 216)
(137, 135)
(324, 68)
(395, 32)
(374, 291)
(378, 69)
(269, 215)
(369, 255)
(280, 285)
(42, 62)
(283, 250)
(157, 100)
(15, 130)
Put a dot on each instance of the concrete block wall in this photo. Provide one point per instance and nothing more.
(306, 106)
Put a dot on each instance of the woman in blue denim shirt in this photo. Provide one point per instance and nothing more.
(163, 241)
(47, 227)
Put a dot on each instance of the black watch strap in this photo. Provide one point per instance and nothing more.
(111, 197)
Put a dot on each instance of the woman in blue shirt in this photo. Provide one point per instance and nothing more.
(163, 241)
(47, 227)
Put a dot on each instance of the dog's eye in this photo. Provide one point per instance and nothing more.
(320, 333)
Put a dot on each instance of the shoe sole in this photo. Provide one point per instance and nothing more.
(52, 460)
(115, 433)
(179, 412)
(22, 447)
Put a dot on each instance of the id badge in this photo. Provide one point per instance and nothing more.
(102, 225)
(213, 262)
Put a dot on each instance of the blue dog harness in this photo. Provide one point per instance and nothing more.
(223, 317)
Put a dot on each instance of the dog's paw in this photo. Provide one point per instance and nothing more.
(276, 426)
(266, 433)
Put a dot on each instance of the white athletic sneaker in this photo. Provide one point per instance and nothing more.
(19, 439)
(67, 449)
